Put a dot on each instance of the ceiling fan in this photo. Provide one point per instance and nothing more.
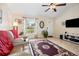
(53, 6)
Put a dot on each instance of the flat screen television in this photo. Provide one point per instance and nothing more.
(72, 23)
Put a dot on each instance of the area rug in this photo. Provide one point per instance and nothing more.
(47, 48)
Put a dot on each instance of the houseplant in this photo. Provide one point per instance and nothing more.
(21, 33)
(45, 33)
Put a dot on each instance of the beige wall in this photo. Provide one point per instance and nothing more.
(70, 13)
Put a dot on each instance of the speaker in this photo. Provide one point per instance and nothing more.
(61, 36)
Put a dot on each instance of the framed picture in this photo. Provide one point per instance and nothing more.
(0, 16)
(41, 24)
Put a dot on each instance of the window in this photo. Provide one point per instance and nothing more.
(30, 25)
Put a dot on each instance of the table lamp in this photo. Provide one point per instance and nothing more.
(15, 25)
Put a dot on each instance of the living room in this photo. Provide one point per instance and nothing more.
(31, 19)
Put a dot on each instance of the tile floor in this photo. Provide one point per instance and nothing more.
(18, 51)
(74, 48)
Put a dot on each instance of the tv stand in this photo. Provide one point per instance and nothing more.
(71, 38)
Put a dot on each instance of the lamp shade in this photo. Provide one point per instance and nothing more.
(15, 24)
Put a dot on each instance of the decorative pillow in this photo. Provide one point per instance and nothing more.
(15, 33)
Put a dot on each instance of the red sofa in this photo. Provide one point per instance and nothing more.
(8, 39)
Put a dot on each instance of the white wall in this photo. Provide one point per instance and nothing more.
(47, 23)
(50, 27)
(59, 28)
(18, 16)
(38, 31)
(6, 18)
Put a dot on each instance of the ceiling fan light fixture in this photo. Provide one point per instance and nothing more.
(52, 7)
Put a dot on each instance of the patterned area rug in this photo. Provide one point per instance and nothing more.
(47, 48)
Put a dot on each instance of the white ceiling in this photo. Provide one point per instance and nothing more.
(36, 10)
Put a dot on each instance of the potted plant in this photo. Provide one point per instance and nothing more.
(21, 33)
(45, 33)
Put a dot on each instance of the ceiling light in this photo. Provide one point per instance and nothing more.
(52, 6)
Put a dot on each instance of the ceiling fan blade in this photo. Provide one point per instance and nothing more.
(61, 4)
(47, 9)
(45, 5)
(54, 9)
(51, 3)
